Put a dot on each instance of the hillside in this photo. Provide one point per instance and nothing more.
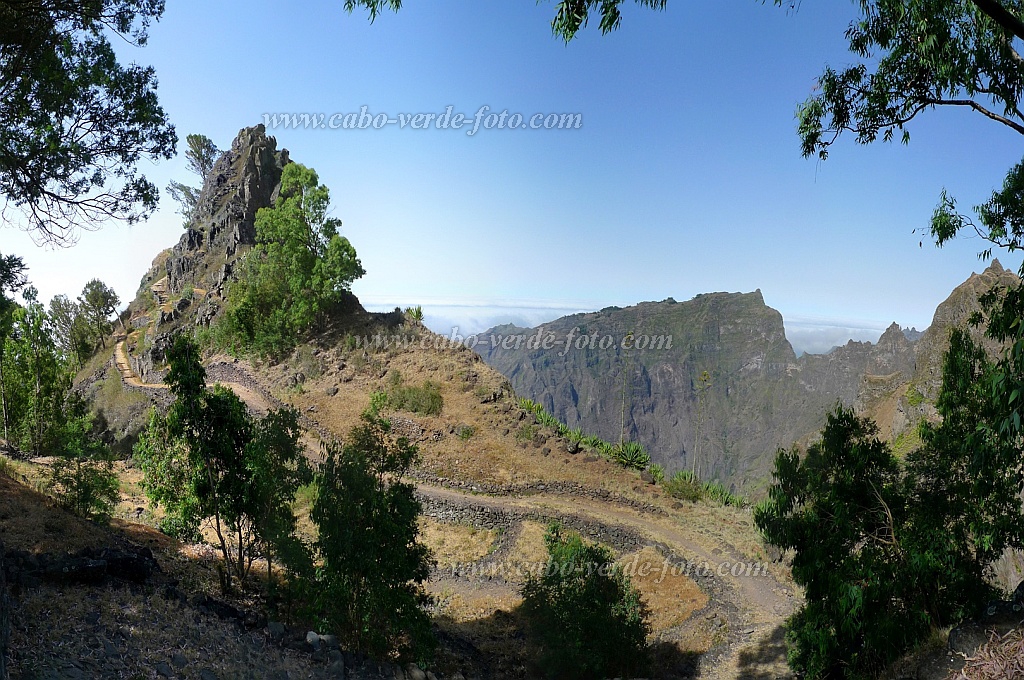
(757, 395)
(490, 477)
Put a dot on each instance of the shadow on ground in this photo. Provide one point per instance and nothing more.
(766, 660)
(498, 646)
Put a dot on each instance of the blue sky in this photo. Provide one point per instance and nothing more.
(685, 177)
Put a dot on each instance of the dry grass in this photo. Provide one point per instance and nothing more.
(529, 548)
(491, 455)
(29, 520)
(136, 629)
(453, 544)
(671, 598)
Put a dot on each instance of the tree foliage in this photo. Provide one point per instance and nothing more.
(74, 122)
(209, 460)
(915, 55)
(298, 270)
(200, 153)
(369, 582)
(82, 476)
(36, 379)
(97, 303)
(884, 553)
(71, 328)
(12, 279)
(586, 616)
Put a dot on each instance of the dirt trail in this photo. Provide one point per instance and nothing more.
(754, 650)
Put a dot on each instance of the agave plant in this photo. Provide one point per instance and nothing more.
(528, 404)
(574, 435)
(547, 420)
(657, 472)
(592, 441)
(632, 455)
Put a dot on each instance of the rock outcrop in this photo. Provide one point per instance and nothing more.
(186, 283)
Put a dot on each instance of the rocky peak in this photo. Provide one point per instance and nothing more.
(185, 284)
(954, 312)
(244, 179)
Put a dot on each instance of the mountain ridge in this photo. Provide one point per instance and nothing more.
(760, 395)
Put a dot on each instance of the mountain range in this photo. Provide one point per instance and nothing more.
(713, 385)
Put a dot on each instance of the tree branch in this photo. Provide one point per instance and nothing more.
(982, 110)
(1001, 16)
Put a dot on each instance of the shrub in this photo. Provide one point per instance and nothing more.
(526, 432)
(684, 486)
(464, 432)
(584, 613)
(425, 399)
(657, 472)
(82, 477)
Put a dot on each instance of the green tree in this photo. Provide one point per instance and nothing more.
(72, 332)
(885, 554)
(208, 460)
(12, 279)
(840, 509)
(98, 302)
(36, 378)
(298, 270)
(368, 585)
(585, 614)
(82, 476)
(201, 153)
(276, 468)
(74, 123)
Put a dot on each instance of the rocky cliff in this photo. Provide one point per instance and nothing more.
(756, 395)
(185, 284)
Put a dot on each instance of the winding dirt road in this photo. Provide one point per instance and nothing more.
(756, 605)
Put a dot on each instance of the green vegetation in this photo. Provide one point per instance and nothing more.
(74, 122)
(631, 455)
(714, 491)
(98, 303)
(415, 313)
(41, 414)
(295, 274)
(371, 567)
(657, 472)
(82, 476)
(201, 153)
(424, 399)
(914, 397)
(526, 432)
(207, 459)
(584, 613)
(465, 432)
(892, 551)
(684, 486)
